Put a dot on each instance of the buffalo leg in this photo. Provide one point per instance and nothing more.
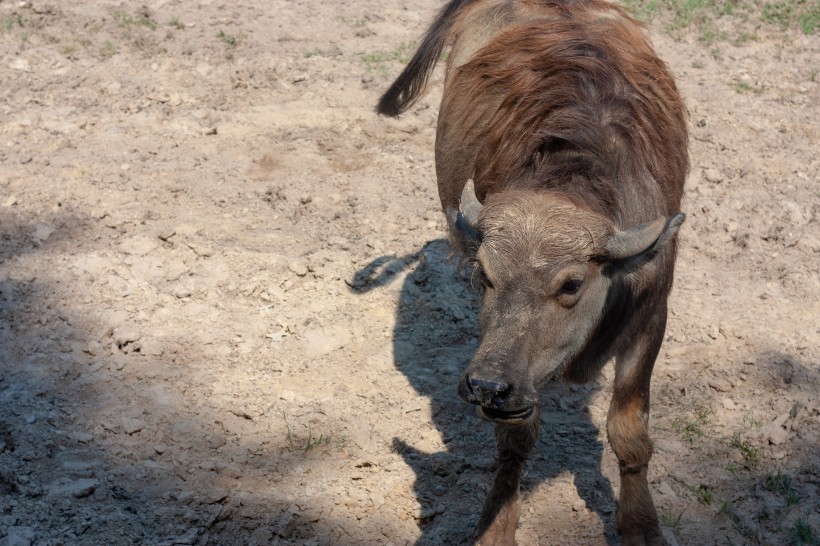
(499, 516)
(628, 433)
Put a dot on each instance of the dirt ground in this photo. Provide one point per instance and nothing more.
(227, 317)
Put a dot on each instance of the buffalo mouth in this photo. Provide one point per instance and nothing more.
(508, 417)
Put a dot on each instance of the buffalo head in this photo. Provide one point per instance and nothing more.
(547, 266)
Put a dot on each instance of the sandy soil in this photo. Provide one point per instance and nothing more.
(226, 314)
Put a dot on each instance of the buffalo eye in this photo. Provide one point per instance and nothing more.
(571, 286)
(484, 279)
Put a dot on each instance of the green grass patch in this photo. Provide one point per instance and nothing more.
(691, 427)
(355, 23)
(782, 484)
(704, 494)
(8, 23)
(176, 23)
(699, 16)
(108, 49)
(228, 39)
(332, 53)
(778, 483)
(312, 442)
(751, 454)
(802, 14)
(673, 522)
(141, 19)
(803, 533)
(809, 18)
(745, 87)
(379, 61)
(643, 10)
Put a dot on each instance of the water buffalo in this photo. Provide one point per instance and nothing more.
(561, 156)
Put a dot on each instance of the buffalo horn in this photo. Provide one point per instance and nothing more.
(470, 207)
(633, 241)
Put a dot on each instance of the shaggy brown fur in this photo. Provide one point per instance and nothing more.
(575, 136)
(573, 99)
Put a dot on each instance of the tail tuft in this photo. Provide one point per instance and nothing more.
(410, 84)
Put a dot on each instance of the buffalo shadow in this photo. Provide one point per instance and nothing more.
(434, 339)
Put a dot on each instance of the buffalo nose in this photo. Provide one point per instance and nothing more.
(488, 393)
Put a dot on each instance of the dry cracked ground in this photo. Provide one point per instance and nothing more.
(227, 314)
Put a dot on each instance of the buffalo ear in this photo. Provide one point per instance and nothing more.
(467, 236)
(643, 241)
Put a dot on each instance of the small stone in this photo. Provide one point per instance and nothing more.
(42, 9)
(286, 525)
(93, 347)
(11, 201)
(215, 441)
(299, 267)
(209, 131)
(287, 396)
(713, 176)
(20, 64)
(720, 385)
(182, 292)
(18, 535)
(666, 490)
(189, 537)
(199, 248)
(425, 512)
(151, 347)
(579, 505)
(778, 437)
(185, 497)
(228, 470)
(263, 535)
(229, 509)
(729, 404)
(676, 352)
(132, 426)
(126, 335)
(215, 496)
(377, 499)
(140, 245)
(160, 449)
(774, 431)
(42, 232)
(82, 488)
(322, 342)
(81, 437)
